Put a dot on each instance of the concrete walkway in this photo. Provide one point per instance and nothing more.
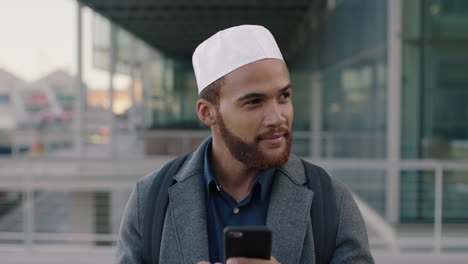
(92, 255)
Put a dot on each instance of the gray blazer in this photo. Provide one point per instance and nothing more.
(185, 237)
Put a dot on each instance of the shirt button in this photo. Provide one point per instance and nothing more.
(235, 210)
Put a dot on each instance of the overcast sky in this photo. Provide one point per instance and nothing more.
(39, 36)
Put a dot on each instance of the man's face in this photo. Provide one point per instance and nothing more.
(255, 114)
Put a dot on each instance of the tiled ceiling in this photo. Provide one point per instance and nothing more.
(176, 27)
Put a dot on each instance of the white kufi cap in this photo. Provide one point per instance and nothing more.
(230, 49)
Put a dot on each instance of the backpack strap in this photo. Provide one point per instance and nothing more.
(156, 209)
(323, 212)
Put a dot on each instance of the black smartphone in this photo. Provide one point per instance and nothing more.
(247, 241)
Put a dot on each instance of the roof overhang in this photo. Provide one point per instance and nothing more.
(176, 27)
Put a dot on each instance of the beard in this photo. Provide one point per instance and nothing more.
(250, 153)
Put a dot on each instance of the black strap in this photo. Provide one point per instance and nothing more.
(323, 212)
(156, 210)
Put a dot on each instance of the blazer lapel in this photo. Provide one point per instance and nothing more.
(289, 212)
(187, 202)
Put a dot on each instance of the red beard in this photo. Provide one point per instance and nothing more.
(250, 154)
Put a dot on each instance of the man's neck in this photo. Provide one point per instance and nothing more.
(234, 176)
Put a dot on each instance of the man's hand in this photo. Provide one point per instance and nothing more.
(246, 261)
(251, 261)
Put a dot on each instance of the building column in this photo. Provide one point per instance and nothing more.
(80, 92)
(316, 116)
(394, 110)
(133, 68)
(112, 66)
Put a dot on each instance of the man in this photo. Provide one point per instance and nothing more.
(244, 174)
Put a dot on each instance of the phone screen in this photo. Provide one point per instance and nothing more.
(247, 241)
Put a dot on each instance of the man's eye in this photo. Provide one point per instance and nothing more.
(254, 101)
(285, 95)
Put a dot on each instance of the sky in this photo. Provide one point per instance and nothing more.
(39, 36)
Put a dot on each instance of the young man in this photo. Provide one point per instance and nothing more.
(245, 174)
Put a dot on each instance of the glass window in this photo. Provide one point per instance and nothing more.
(353, 64)
(435, 96)
(435, 80)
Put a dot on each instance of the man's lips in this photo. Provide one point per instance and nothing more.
(272, 137)
(274, 141)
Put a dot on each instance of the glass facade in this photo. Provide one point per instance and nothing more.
(117, 62)
(174, 95)
(346, 55)
(353, 78)
(435, 80)
(345, 60)
(435, 108)
(353, 64)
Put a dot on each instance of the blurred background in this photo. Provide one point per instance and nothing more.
(94, 94)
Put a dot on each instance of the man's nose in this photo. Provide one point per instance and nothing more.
(274, 115)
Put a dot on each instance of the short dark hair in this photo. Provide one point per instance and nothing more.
(212, 92)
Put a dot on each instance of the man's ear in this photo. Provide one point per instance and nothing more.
(206, 112)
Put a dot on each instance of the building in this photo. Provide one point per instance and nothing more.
(373, 80)
(380, 96)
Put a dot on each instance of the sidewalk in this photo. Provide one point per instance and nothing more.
(92, 255)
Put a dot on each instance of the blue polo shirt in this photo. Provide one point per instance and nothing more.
(223, 210)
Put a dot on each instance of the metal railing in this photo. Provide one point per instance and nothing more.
(105, 175)
(31, 175)
(385, 229)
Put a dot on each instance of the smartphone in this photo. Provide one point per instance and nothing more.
(247, 241)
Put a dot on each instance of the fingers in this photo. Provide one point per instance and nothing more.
(251, 261)
(274, 260)
(245, 261)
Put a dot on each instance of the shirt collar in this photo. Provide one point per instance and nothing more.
(264, 179)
